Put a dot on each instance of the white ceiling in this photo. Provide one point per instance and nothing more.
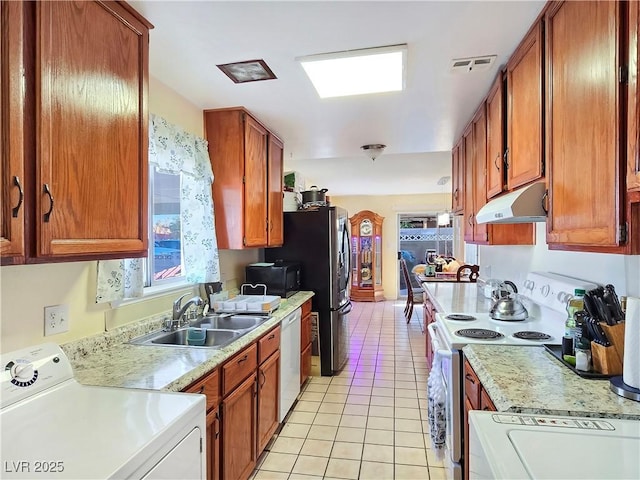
(323, 137)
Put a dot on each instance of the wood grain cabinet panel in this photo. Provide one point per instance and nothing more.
(524, 159)
(247, 193)
(78, 125)
(457, 184)
(583, 113)
(268, 344)
(468, 168)
(495, 181)
(239, 431)
(238, 368)
(213, 444)
(633, 103)
(268, 395)
(12, 118)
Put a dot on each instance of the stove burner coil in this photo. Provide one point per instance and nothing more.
(527, 335)
(460, 317)
(479, 333)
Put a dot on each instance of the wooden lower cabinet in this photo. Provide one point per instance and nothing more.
(475, 398)
(429, 316)
(305, 364)
(305, 342)
(268, 404)
(239, 431)
(213, 445)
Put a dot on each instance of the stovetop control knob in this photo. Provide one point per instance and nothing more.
(23, 373)
(545, 290)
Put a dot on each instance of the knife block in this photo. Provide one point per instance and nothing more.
(615, 334)
(605, 359)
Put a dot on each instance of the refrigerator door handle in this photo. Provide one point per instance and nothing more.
(346, 308)
(346, 253)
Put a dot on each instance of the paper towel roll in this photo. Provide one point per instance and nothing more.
(631, 362)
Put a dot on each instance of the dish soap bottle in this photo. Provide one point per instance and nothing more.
(575, 304)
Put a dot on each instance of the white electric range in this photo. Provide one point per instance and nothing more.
(545, 296)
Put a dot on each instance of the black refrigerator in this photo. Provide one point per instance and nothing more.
(318, 238)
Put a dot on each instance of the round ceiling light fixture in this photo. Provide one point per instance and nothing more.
(373, 150)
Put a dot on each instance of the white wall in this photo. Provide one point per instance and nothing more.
(513, 262)
(26, 289)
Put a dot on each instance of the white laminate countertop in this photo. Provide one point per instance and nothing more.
(531, 380)
(108, 360)
(456, 297)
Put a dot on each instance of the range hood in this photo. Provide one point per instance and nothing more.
(522, 206)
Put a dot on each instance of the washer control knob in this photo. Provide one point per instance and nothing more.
(23, 373)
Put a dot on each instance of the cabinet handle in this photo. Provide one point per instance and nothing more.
(455, 194)
(264, 379)
(16, 209)
(201, 389)
(243, 359)
(47, 190)
(543, 201)
(271, 337)
(470, 378)
(217, 424)
(486, 409)
(506, 159)
(495, 161)
(469, 220)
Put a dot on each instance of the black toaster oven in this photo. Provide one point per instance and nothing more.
(281, 278)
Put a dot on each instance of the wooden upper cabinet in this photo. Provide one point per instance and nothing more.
(633, 104)
(91, 132)
(480, 230)
(583, 112)
(495, 180)
(468, 169)
(74, 131)
(247, 165)
(275, 237)
(12, 97)
(524, 159)
(457, 184)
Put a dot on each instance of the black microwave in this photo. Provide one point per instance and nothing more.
(281, 278)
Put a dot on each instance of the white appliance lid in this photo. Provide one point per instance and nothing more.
(95, 432)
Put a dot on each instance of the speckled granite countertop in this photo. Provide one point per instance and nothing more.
(456, 297)
(108, 360)
(530, 380)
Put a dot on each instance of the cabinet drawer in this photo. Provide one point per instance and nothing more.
(239, 368)
(305, 332)
(269, 343)
(471, 386)
(305, 364)
(485, 401)
(208, 386)
(306, 308)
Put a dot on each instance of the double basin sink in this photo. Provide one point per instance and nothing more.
(220, 330)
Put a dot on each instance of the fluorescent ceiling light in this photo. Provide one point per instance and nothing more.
(357, 72)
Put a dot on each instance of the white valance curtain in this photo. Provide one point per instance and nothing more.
(172, 150)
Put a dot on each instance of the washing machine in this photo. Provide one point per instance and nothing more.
(52, 427)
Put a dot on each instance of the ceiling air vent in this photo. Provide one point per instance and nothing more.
(473, 64)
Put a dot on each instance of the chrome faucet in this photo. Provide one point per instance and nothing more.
(179, 311)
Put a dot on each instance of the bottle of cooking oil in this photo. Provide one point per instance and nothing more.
(575, 304)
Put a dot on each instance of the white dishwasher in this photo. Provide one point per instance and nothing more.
(55, 428)
(289, 361)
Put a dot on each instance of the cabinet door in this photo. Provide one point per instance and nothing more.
(268, 405)
(583, 124)
(255, 183)
(495, 138)
(12, 98)
(305, 364)
(457, 187)
(479, 173)
(91, 145)
(274, 172)
(524, 111)
(213, 445)
(239, 431)
(633, 104)
(468, 167)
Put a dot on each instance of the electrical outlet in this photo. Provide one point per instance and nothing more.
(56, 319)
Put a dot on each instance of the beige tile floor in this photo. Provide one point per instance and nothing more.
(368, 422)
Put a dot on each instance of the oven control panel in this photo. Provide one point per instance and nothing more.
(544, 421)
(552, 290)
(31, 370)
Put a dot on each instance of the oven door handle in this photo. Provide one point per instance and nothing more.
(435, 342)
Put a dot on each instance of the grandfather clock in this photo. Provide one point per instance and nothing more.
(366, 257)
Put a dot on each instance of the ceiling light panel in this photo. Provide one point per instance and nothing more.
(357, 72)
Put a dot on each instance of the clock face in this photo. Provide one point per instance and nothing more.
(365, 228)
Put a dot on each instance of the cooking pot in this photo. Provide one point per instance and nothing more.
(314, 195)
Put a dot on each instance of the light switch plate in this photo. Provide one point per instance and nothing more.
(56, 319)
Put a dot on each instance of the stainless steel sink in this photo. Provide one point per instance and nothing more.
(214, 338)
(229, 322)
